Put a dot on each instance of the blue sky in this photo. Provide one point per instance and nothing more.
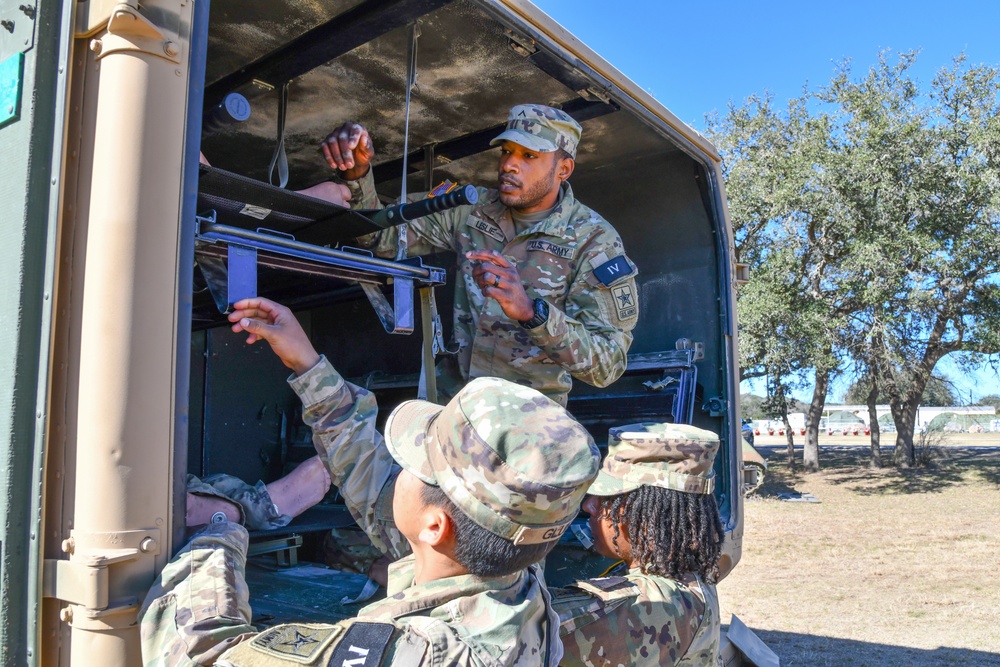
(698, 57)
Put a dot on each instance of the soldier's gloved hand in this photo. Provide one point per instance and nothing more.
(498, 279)
(267, 320)
(349, 149)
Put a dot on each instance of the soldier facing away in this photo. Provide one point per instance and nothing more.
(544, 292)
(652, 507)
(467, 487)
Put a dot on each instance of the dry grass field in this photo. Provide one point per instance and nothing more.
(889, 568)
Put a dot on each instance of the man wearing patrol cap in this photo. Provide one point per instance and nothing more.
(478, 490)
(652, 507)
(544, 292)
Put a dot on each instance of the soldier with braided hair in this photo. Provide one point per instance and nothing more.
(652, 507)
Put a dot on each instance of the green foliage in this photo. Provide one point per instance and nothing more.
(937, 393)
(751, 407)
(869, 212)
(990, 399)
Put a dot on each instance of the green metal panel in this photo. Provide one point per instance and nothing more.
(11, 75)
(29, 179)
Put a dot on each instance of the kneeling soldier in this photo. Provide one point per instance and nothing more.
(652, 507)
(480, 491)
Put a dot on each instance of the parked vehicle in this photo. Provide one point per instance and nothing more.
(121, 254)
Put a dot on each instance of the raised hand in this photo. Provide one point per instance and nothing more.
(349, 149)
(498, 279)
(266, 320)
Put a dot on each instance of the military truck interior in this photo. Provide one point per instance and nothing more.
(300, 69)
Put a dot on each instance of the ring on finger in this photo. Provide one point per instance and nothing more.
(496, 281)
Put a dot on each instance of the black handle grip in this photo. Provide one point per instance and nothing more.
(400, 213)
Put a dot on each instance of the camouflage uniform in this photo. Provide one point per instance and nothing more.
(573, 259)
(257, 510)
(495, 474)
(631, 618)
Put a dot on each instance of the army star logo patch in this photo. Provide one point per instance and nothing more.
(625, 300)
(298, 643)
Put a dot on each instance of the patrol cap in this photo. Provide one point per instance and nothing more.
(541, 128)
(669, 456)
(513, 460)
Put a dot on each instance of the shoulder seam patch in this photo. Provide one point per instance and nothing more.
(614, 270)
(295, 642)
(363, 645)
(608, 588)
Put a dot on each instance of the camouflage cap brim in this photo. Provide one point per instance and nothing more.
(669, 456)
(606, 485)
(409, 433)
(526, 139)
(633, 475)
(541, 128)
(513, 461)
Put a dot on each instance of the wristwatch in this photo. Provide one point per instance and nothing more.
(540, 317)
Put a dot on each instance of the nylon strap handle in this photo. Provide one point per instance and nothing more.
(427, 388)
(411, 86)
(280, 159)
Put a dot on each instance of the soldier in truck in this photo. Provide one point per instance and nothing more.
(545, 292)
(466, 488)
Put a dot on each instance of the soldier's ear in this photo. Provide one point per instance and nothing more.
(437, 528)
(565, 168)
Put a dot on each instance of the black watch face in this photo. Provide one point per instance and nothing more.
(541, 312)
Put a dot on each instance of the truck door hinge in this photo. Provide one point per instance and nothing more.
(84, 578)
(716, 406)
(687, 344)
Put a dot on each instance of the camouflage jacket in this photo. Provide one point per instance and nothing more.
(342, 417)
(638, 619)
(198, 611)
(257, 510)
(573, 259)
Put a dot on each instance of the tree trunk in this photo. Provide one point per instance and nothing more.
(789, 437)
(904, 406)
(810, 453)
(905, 417)
(779, 408)
(876, 460)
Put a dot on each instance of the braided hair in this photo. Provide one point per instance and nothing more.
(670, 532)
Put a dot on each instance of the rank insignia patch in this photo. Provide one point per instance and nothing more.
(362, 646)
(614, 270)
(297, 642)
(625, 301)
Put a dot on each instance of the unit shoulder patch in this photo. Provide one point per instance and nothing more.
(625, 301)
(296, 642)
(608, 588)
(614, 270)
